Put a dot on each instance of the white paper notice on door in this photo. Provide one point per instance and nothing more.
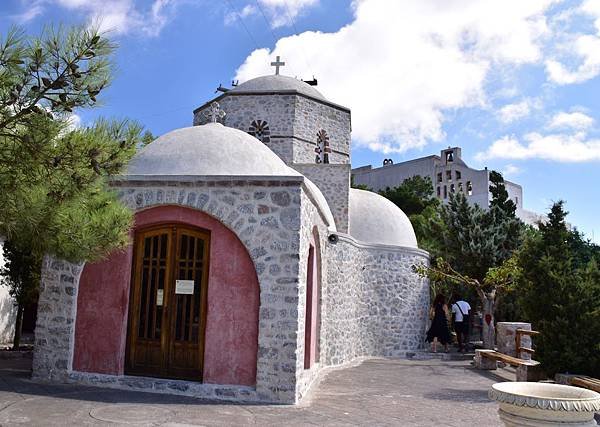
(159, 296)
(185, 287)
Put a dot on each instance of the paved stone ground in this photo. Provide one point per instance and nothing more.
(378, 392)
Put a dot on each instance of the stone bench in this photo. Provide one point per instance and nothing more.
(527, 370)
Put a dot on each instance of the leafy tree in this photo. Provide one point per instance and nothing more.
(53, 178)
(496, 280)
(415, 196)
(561, 296)
(474, 242)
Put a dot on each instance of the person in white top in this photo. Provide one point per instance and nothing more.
(461, 310)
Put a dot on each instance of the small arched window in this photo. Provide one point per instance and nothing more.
(322, 148)
(260, 130)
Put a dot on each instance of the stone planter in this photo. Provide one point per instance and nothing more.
(541, 404)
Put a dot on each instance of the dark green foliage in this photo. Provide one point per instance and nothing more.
(358, 186)
(413, 196)
(560, 294)
(475, 240)
(500, 195)
(53, 178)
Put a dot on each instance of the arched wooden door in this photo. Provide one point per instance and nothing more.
(167, 314)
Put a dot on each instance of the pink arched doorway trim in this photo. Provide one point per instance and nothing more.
(231, 342)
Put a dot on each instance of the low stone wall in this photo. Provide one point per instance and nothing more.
(376, 305)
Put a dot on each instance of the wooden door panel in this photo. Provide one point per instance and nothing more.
(166, 328)
(188, 320)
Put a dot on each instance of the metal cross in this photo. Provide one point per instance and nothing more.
(214, 113)
(277, 64)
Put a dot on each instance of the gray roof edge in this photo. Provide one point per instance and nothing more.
(273, 92)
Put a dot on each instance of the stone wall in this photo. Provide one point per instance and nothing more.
(311, 220)
(311, 117)
(376, 305)
(334, 182)
(293, 121)
(266, 218)
(55, 327)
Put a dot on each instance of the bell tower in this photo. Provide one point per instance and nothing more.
(306, 130)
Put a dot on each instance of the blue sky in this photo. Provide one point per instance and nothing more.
(515, 83)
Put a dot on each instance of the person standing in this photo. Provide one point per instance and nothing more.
(461, 310)
(439, 330)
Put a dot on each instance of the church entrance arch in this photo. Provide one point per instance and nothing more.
(168, 302)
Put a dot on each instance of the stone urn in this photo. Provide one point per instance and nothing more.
(541, 404)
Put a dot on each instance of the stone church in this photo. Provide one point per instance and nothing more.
(253, 267)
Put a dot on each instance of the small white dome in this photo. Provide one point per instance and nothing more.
(374, 219)
(211, 149)
(278, 83)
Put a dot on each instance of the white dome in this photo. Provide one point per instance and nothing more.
(374, 219)
(277, 83)
(211, 149)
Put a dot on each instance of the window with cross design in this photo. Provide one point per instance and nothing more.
(260, 130)
(323, 149)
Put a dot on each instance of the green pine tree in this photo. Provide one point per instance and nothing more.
(561, 297)
(53, 178)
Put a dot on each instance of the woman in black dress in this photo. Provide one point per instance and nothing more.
(439, 330)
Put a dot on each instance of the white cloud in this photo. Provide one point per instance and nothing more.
(512, 112)
(511, 170)
(247, 10)
(574, 120)
(74, 121)
(32, 11)
(556, 147)
(578, 58)
(283, 12)
(279, 13)
(116, 16)
(400, 66)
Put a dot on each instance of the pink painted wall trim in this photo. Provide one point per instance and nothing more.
(231, 341)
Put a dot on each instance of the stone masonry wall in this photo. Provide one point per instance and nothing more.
(376, 305)
(310, 219)
(293, 121)
(312, 116)
(266, 218)
(276, 110)
(55, 327)
(334, 182)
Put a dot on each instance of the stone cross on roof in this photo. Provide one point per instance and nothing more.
(214, 113)
(277, 64)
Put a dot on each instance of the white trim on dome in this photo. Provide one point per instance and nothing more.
(344, 237)
(320, 202)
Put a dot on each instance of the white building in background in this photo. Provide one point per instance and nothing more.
(449, 174)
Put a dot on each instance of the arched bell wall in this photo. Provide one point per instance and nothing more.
(231, 341)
